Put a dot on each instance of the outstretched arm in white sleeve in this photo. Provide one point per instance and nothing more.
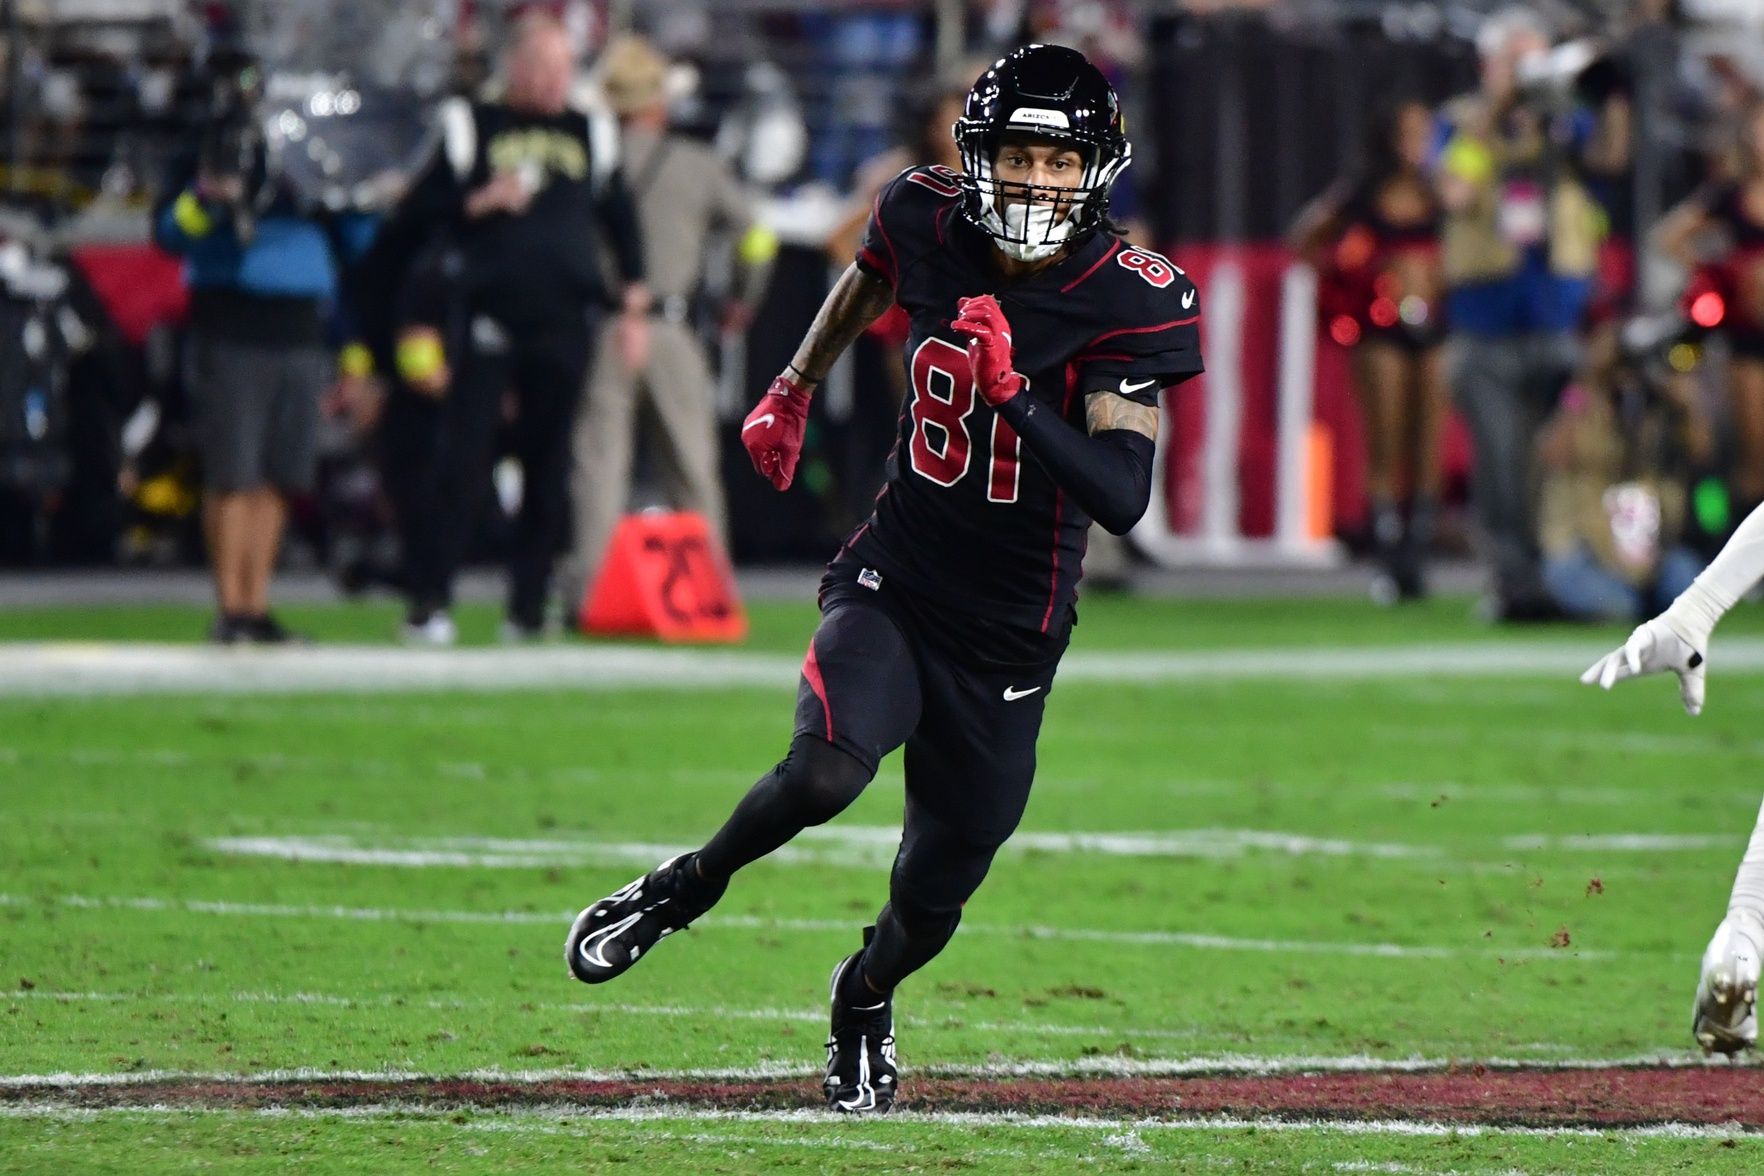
(1678, 639)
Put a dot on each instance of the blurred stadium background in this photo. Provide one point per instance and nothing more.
(1240, 115)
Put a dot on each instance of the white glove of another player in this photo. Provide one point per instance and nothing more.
(1661, 644)
(1678, 639)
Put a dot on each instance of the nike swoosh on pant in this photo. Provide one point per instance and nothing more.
(1011, 694)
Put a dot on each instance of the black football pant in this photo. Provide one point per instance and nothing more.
(542, 369)
(407, 443)
(884, 670)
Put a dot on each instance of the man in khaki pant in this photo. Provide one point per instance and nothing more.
(682, 192)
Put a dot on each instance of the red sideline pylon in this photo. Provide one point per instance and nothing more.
(665, 576)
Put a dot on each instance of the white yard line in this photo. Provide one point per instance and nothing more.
(837, 845)
(85, 669)
(873, 846)
(1689, 743)
(1626, 842)
(1189, 939)
(583, 1120)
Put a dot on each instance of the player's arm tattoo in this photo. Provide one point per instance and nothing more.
(1104, 411)
(857, 299)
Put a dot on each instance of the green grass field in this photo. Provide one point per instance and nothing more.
(1229, 868)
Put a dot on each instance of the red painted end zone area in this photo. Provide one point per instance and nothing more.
(1501, 1097)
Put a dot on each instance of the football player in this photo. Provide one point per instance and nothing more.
(1724, 1015)
(1039, 344)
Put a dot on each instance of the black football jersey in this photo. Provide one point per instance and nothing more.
(968, 517)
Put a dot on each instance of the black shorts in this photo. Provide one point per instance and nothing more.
(965, 696)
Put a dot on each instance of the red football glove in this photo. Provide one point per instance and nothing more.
(989, 348)
(772, 432)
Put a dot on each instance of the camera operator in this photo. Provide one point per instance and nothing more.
(1618, 457)
(517, 186)
(263, 275)
(1520, 246)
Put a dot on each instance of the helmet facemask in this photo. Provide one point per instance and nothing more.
(1032, 222)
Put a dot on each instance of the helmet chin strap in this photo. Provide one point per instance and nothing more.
(1028, 232)
(1025, 230)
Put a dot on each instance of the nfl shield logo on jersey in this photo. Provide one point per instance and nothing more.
(870, 578)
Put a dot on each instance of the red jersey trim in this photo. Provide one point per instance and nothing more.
(1084, 352)
(811, 673)
(893, 268)
(1053, 576)
(1075, 282)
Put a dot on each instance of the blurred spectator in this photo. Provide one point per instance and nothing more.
(1105, 31)
(1520, 249)
(1110, 34)
(262, 275)
(1374, 236)
(392, 388)
(683, 193)
(519, 185)
(927, 129)
(1616, 457)
(925, 134)
(995, 27)
(862, 52)
(1717, 235)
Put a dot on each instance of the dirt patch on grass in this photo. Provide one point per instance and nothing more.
(1613, 1097)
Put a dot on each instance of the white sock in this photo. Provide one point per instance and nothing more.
(1748, 883)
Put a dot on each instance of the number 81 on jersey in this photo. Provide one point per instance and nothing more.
(943, 400)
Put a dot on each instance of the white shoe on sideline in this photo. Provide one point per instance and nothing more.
(436, 630)
(1725, 1019)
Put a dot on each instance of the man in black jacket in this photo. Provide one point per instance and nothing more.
(518, 187)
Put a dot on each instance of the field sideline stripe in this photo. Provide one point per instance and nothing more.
(563, 1118)
(1188, 939)
(1222, 1065)
(84, 669)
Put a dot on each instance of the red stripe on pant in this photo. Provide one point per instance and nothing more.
(811, 672)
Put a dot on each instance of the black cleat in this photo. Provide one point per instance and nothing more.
(267, 630)
(226, 630)
(608, 937)
(861, 1074)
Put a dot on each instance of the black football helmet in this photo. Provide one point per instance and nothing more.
(1049, 92)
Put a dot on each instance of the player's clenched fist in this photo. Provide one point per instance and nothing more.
(989, 348)
(772, 432)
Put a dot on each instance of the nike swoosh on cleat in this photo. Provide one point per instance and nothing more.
(1011, 693)
(592, 944)
(763, 420)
